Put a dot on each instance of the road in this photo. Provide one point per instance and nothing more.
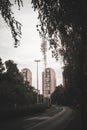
(53, 119)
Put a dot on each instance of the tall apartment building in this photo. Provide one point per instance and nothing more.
(27, 75)
(48, 82)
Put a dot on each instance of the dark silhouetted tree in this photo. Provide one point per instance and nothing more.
(69, 18)
(13, 73)
(57, 96)
(13, 91)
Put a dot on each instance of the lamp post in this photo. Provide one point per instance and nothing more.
(37, 81)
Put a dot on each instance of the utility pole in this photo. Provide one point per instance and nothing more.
(37, 81)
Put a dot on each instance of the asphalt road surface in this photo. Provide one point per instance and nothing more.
(56, 118)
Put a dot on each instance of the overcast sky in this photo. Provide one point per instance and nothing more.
(29, 50)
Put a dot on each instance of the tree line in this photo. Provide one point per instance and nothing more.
(13, 91)
(65, 96)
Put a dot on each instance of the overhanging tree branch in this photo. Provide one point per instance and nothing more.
(8, 16)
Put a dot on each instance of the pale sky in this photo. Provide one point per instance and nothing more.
(29, 49)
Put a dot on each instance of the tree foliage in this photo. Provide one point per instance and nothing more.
(65, 16)
(12, 71)
(69, 18)
(8, 16)
(1, 66)
(13, 91)
(58, 96)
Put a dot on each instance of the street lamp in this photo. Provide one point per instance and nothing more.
(37, 81)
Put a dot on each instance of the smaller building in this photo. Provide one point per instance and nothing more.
(27, 75)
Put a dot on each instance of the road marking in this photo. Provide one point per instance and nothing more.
(38, 118)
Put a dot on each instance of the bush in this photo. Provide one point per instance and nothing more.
(22, 111)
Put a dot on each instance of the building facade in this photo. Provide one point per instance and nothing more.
(27, 75)
(48, 82)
